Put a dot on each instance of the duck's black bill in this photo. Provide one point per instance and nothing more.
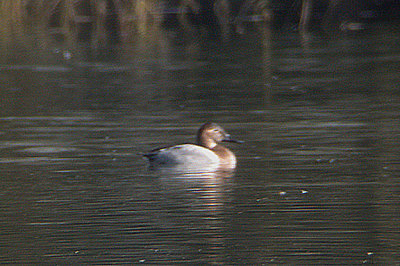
(233, 141)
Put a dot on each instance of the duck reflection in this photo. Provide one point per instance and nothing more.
(193, 220)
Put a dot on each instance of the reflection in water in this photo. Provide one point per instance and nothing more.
(193, 214)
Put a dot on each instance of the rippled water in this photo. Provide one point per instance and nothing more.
(317, 180)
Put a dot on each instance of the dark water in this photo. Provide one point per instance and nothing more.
(317, 180)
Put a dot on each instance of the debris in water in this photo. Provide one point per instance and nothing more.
(67, 55)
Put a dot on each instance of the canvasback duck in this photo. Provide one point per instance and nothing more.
(207, 153)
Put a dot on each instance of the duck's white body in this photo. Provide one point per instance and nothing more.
(185, 154)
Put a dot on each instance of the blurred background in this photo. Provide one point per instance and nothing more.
(311, 86)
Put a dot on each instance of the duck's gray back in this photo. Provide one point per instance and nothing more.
(185, 154)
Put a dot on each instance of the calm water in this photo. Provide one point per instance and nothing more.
(317, 180)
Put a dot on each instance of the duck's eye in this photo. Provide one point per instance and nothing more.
(215, 130)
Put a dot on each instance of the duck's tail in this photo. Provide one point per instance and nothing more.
(150, 156)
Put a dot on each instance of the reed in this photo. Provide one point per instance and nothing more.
(102, 21)
(13, 14)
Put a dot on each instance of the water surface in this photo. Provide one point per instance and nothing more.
(317, 180)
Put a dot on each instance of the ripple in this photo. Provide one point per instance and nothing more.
(29, 160)
(48, 149)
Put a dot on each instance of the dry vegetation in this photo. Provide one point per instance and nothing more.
(102, 21)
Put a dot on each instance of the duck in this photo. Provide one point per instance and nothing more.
(207, 153)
